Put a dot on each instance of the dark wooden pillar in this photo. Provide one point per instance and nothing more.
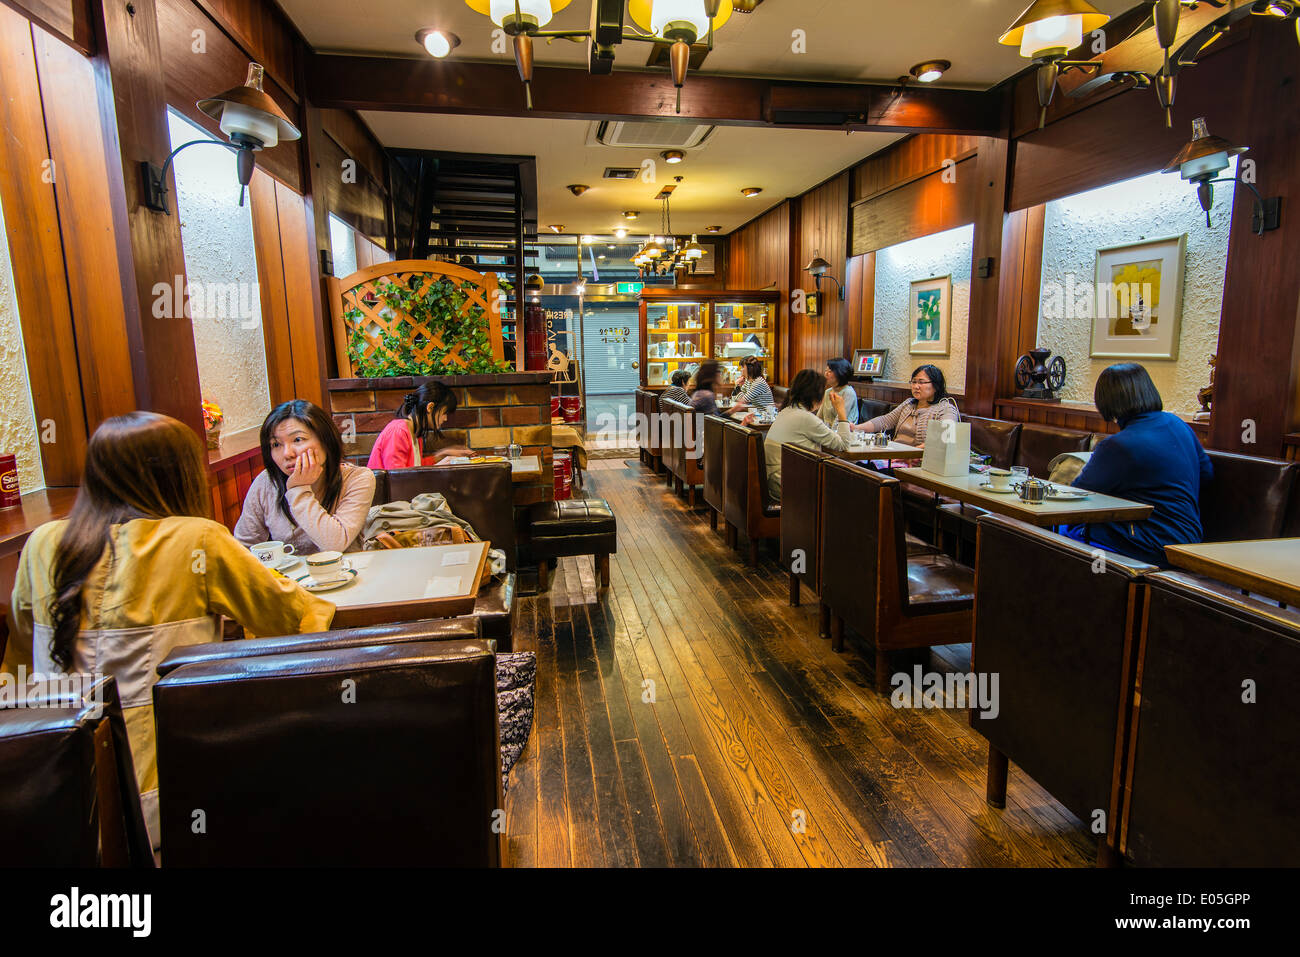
(989, 334)
(317, 211)
(133, 107)
(1257, 378)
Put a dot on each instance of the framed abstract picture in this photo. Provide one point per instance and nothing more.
(869, 363)
(1139, 299)
(930, 304)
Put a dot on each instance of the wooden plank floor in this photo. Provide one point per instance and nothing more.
(688, 716)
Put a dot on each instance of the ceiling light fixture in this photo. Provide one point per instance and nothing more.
(631, 214)
(248, 116)
(714, 229)
(930, 70)
(556, 227)
(437, 43)
(1049, 29)
(751, 191)
(673, 156)
(680, 22)
(621, 233)
(577, 189)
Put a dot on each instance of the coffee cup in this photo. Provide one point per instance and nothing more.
(271, 553)
(999, 479)
(326, 566)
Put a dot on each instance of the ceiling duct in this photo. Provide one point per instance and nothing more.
(648, 134)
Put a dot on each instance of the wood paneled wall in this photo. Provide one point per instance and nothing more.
(908, 160)
(822, 230)
(759, 258)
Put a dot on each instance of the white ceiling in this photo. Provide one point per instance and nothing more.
(846, 40)
(781, 162)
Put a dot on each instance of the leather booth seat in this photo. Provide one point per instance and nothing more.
(870, 581)
(712, 459)
(647, 405)
(869, 408)
(362, 755)
(801, 509)
(1064, 661)
(573, 527)
(779, 392)
(681, 437)
(747, 504)
(1248, 498)
(1213, 777)
(484, 496)
(69, 797)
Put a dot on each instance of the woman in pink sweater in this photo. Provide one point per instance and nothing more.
(307, 495)
(422, 413)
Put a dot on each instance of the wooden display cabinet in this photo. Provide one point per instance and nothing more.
(681, 328)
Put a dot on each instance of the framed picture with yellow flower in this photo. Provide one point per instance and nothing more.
(1139, 299)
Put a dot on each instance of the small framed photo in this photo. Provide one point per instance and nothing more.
(931, 316)
(869, 363)
(814, 303)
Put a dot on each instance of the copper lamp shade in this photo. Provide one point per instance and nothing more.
(1093, 19)
(250, 97)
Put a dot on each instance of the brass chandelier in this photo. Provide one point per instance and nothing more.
(663, 255)
(682, 23)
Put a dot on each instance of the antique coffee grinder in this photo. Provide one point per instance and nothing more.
(1038, 379)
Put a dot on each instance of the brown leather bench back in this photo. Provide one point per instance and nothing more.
(1248, 498)
(779, 393)
(1039, 444)
(483, 495)
(69, 797)
(801, 506)
(646, 404)
(712, 459)
(673, 417)
(735, 473)
(1059, 633)
(379, 755)
(1213, 779)
(850, 540)
(995, 438)
(869, 408)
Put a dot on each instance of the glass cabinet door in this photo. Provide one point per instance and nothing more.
(743, 329)
(676, 338)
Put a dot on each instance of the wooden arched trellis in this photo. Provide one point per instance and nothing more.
(377, 319)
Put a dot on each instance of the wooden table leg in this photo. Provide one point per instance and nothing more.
(794, 590)
(713, 519)
(542, 576)
(823, 620)
(995, 783)
(602, 562)
(837, 633)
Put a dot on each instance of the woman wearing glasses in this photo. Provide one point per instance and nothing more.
(908, 421)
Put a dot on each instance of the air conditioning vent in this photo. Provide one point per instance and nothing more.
(648, 134)
(621, 172)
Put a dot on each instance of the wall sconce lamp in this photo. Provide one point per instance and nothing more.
(1200, 162)
(820, 267)
(1045, 33)
(248, 116)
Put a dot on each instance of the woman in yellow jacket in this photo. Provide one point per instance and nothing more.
(138, 569)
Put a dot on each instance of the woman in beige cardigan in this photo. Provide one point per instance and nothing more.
(909, 420)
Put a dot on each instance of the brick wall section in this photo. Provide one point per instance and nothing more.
(493, 411)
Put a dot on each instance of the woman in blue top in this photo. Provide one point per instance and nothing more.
(1155, 459)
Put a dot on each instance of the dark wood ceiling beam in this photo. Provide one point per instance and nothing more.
(491, 89)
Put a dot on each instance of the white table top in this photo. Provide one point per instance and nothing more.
(966, 488)
(858, 452)
(1270, 567)
(406, 584)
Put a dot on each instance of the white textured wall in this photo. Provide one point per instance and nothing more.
(217, 234)
(1148, 207)
(343, 247)
(18, 432)
(897, 267)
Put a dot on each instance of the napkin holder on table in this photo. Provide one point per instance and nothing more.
(947, 458)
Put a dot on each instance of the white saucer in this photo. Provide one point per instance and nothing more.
(1061, 495)
(996, 491)
(287, 562)
(308, 583)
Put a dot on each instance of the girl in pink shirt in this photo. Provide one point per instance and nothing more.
(423, 412)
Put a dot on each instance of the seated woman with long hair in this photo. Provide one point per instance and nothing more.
(422, 414)
(798, 423)
(838, 374)
(307, 495)
(138, 569)
(909, 420)
(703, 398)
(1155, 458)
